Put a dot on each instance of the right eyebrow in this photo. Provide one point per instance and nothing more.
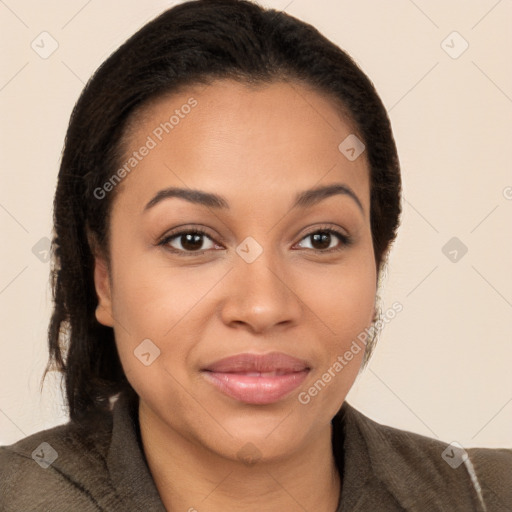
(193, 196)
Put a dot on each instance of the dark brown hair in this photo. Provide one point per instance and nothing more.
(194, 42)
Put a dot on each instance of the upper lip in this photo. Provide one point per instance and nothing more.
(275, 361)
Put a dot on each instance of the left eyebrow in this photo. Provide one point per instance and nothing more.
(313, 196)
(304, 199)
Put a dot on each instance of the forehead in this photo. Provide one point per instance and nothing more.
(237, 139)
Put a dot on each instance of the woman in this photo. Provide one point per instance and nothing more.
(228, 193)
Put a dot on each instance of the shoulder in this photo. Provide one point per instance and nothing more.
(408, 448)
(429, 464)
(36, 469)
(410, 444)
(493, 468)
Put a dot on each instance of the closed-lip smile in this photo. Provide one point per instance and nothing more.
(257, 378)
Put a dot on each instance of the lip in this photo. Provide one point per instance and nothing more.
(257, 378)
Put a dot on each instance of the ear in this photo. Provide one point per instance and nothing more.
(103, 291)
(101, 282)
(376, 309)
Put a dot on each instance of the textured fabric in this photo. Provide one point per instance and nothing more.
(100, 466)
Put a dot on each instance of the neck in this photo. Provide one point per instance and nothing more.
(190, 477)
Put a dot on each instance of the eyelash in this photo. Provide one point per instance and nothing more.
(345, 240)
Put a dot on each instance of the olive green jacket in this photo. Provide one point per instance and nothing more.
(100, 466)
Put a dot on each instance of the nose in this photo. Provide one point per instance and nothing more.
(260, 296)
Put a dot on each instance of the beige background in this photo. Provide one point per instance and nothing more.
(442, 367)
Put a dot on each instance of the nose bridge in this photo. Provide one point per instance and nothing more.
(262, 276)
(259, 295)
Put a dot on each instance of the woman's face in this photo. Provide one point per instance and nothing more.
(266, 277)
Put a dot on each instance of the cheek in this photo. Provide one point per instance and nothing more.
(151, 297)
(342, 297)
(343, 303)
(165, 304)
(150, 304)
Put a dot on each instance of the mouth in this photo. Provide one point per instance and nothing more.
(255, 378)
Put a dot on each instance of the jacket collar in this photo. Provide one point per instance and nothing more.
(376, 462)
(406, 468)
(126, 462)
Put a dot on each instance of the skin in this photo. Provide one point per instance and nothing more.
(257, 147)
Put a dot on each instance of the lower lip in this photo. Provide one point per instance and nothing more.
(256, 390)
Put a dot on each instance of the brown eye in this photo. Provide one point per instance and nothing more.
(326, 240)
(191, 241)
(188, 242)
(321, 240)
